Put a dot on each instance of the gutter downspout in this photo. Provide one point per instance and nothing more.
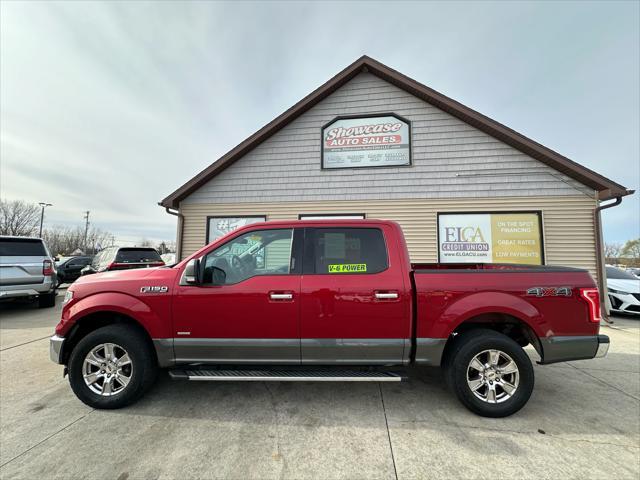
(600, 260)
(177, 213)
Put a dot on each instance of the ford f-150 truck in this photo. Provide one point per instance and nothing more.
(322, 300)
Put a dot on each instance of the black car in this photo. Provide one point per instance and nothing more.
(123, 258)
(69, 269)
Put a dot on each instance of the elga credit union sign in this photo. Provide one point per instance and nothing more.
(374, 141)
(490, 238)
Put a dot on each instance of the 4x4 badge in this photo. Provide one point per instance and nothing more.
(549, 291)
(155, 289)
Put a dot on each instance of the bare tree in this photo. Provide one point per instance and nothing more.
(631, 249)
(166, 246)
(19, 218)
(65, 240)
(612, 250)
(97, 239)
(145, 242)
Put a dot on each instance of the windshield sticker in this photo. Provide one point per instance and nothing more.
(348, 268)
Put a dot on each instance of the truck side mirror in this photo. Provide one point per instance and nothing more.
(191, 274)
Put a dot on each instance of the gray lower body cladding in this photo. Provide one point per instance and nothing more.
(355, 351)
(237, 350)
(352, 351)
(429, 351)
(567, 348)
(278, 351)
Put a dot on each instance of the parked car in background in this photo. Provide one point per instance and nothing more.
(624, 291)
(69, 268)
(27, 271)
(634, 271)
(123, 258)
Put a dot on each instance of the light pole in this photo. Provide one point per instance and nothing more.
(86, 230)
(43, 205)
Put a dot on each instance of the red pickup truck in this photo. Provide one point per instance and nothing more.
(326, 301)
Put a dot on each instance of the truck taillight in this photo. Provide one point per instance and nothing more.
(47, 268)
(592, 297)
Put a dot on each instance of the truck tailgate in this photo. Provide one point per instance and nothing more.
(14, 272)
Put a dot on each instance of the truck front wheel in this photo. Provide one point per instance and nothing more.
(489, 373)
(111, 367)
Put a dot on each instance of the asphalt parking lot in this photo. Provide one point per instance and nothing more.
(583, 421)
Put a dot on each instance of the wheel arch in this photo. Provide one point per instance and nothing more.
(508, 324)
(98, 319)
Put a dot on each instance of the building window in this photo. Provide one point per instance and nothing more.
(331, 216)
(221, 225)
(490, 237)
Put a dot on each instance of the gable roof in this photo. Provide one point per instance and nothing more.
(606, 188)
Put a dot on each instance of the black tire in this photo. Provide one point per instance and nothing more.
(462, 352)
(47, 300)
(143, 362)
(59, 281)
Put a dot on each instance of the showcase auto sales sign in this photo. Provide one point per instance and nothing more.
(377, 141)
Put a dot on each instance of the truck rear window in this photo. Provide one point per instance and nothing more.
(21, 247)
(339, 251)
(137, 255)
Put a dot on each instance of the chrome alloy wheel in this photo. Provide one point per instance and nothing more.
(493, 376)
(107, 369)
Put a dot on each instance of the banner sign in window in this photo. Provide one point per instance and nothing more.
(348, 268)
(375, 141)
(220, 226)
(509, 237)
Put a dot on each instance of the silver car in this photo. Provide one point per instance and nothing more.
(26, 270)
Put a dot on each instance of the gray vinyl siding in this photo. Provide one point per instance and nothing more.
(568, 222)
(451, 159)
(278, 253)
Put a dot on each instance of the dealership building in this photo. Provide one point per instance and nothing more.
(374, 143)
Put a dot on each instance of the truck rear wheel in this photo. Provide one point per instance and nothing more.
(489, 373)
(111, 367)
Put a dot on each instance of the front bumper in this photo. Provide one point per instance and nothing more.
(624, 302)
(55, 348)
(568, 348)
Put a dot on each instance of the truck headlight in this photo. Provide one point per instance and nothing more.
(68, 297)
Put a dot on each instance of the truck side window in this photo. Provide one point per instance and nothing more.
(260, 252)
(340, 251)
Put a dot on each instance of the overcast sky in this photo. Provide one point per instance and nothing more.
(109, 107)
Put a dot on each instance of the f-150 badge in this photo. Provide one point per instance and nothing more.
(155, 289)
(549, 291)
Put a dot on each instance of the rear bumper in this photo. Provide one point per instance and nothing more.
(55, 348)
(28, 290)
(565, 349)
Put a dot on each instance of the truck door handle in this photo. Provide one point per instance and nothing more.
(280, 296)
(386, 295)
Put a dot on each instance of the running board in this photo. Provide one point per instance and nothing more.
(285, 375)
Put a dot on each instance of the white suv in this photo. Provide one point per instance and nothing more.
(26, 270)
(624, 291)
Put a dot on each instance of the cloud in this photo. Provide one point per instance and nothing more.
(110, 106)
